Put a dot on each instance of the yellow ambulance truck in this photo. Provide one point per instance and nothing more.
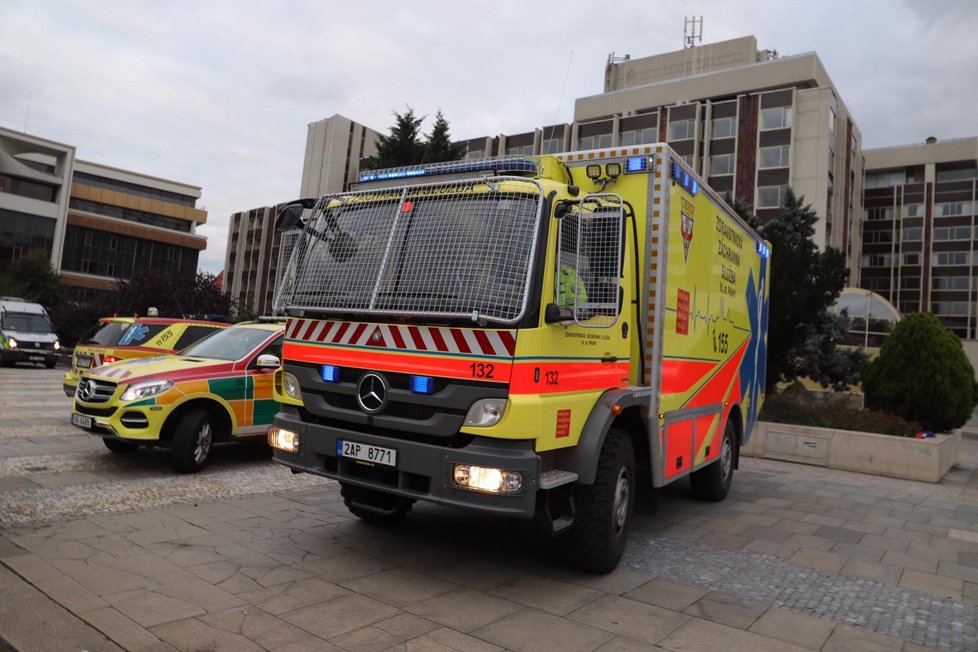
(531, 337)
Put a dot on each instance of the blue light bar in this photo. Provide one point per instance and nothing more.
(330, 373)
(763, 249)
(496, 165)
(684, 178)
(636, 164)
(422, 384)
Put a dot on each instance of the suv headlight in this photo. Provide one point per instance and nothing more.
(57, 345)
(145, 390)
(485, 412)
(12, 343)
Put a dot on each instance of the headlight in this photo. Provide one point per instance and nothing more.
(13, 343)
(486, 412)
(284, 440)
(145, 390)
(291, 386)
(57, 345)
(480, 478)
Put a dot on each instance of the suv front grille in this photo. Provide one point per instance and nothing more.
(94, 391)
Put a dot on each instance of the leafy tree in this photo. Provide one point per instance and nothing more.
(32, 279)
(439, 146)
(402, 147)
(805, 282)
(922, 374)
(173, 294)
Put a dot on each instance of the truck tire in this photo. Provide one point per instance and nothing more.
(120, 447)
(713, 482)
(51, 363)
(603, 516)
(193, 439)
(387, 508)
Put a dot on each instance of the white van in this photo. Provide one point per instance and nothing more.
(26, 333)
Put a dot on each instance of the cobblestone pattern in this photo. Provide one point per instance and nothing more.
(883, 608)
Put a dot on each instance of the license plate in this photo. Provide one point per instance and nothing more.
(366, 453)
(84, 362)
(81, 420)
(36, 358)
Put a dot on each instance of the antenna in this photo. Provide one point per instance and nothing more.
(563, 86)
(30, 95)
(692, 31)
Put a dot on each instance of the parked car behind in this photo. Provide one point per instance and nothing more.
(217, 390)
(26, 333)
(122, 338)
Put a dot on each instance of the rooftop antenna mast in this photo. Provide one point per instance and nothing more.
(693, 31)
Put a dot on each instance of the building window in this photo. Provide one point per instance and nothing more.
(721, 164)
(553, 145)
(638, 137)
(873, 214)
(724, 128)
(912, 210)
(912, 234)
(945, 209)
(520, 150)
(682, 130)
(910, 283)
(950, 282)
(952, 233)
(774, 157)
(960, 174)
(911, 258)
(475, 153)
(594, 142)
(871, 237)
(907, 307)
(885, 179)
(26, 188)
(876, 260)
(952, 308)
(948, 258)
(770, 196)
(881, 283)
(776, 118)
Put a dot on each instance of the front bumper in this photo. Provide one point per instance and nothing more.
(137, 423)
(27, 355)
(423, 471)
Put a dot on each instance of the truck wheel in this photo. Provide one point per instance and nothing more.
(713, 482)
(120, 447)
(597, 539)
(193, 439)
(374, 506)
(50, 363)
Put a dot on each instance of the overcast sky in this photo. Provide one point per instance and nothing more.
(219, 94)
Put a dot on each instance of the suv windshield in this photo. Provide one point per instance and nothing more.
(460, 250)
(26, 322)
(106, 333)
(228, 344)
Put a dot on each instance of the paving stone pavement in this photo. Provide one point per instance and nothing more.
(122, 553)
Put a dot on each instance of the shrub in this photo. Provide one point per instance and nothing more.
(923, 375)
(835, 411)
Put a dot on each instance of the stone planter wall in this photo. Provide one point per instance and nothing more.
(926, 460)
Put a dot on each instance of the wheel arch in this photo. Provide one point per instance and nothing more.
(223, 420)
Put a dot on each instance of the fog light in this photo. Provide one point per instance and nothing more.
(283, 440)
(481, 478)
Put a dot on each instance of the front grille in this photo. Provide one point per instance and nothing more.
(95, 412)
(94, 391)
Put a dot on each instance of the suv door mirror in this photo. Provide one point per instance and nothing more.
(268, 361)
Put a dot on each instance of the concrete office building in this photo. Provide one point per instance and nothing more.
(334, 148)
(919, 229)
(256, 258)
(97, 223)
(749, 121)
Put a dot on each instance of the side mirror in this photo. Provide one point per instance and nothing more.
(289, 217)
(551, 314)
(268, 361)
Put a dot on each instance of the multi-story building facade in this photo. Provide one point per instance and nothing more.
(334, 148)
(35, 183)
(919, 232)
(97, 223)
(255, 259)
(750, 122)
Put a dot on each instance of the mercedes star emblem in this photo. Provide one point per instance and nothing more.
(372, 393)
(86, 390)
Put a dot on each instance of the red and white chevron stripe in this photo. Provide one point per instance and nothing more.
(406, 338)
(114, 372)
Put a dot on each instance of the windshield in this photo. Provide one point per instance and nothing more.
(228, 343)
(106, 333)
(26, 322)
(457, 250)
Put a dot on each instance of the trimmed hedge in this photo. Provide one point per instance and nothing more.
(800, 408)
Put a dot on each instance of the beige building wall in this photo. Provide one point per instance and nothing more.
(334, 147)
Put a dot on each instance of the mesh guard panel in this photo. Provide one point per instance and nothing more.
(454, 250)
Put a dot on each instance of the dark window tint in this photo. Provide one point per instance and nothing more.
(192, 334)
(105, 333)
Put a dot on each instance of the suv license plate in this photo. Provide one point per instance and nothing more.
(366, 453)
(84, 362)
(36, 358)
(81, 420)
